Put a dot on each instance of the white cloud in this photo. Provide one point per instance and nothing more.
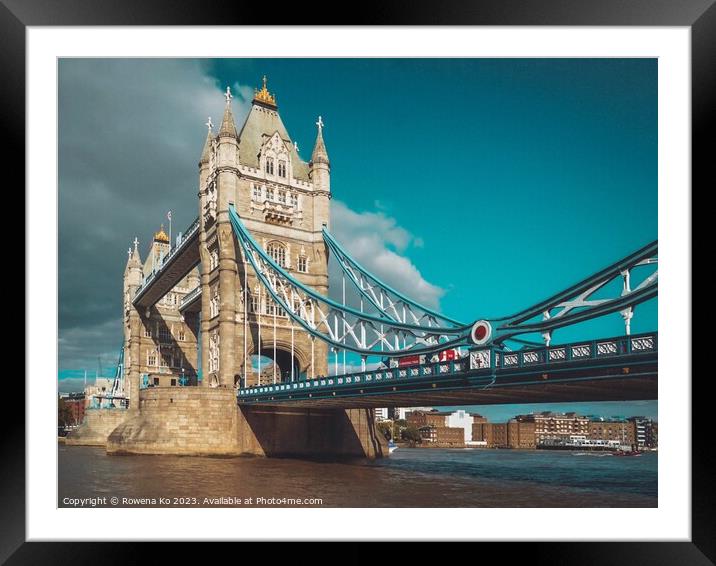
(377, 242)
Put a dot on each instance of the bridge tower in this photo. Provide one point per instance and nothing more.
(284, 202)
(160, 342)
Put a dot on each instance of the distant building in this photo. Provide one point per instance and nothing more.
(401, 413)
(76, 404)
(558, 427)
(420, 419)
(494, 435)
(645, 432)
(609, 430)
(464, 420)
(652, 435)
(442, 435)
(521, 434)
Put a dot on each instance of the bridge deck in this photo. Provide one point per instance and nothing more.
(180, 260)
(623, 368)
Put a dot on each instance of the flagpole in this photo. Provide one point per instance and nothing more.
(169, 217)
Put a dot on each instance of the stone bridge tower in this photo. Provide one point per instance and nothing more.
(284, 202)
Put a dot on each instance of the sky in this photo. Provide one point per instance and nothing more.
(476, 186)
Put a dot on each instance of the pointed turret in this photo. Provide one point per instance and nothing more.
(320, 166)
(228, 126)
(133, 269)
(133, 258)
(206, 152)
(319, 155)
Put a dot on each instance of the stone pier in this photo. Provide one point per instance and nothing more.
(207, 421)
(96, 427)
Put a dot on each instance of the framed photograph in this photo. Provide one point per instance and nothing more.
(304, 273)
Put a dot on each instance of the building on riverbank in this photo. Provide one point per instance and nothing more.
(443, 436)
(646, 432)
(620, 430)
(77, 405)
(521, 434)
(457, 419)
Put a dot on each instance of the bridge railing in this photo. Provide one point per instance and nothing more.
(590, 349)
(189, 297)
(479, 359)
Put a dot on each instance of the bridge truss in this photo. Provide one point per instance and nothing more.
(389, 323)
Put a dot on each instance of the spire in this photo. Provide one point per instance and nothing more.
(320, 155)
(228, 127)
(207, 144)
(133, 259)
(264, 97)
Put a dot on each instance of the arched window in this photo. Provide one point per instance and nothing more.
(269, 165)
(278, 252)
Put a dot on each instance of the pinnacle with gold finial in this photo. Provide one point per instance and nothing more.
(263, 96)
(161, 236)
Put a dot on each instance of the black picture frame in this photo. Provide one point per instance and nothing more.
(698, 15)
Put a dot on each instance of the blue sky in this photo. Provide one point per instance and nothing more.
(497, 181)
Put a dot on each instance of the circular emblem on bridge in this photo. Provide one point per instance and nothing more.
(481, 332)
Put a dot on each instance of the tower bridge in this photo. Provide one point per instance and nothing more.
(228, 333)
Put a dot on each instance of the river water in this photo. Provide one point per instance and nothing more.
(408, 478)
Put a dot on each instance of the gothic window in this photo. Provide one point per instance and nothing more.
(256, 192)
(213, 259)
(302, 264)
(181, 335)
(281, 168)
(254, 303)
(278, 252)
(269, 193)
(273, 308)
(147, 332)
(152, 358)
(269, 165)
(214, 304)
(282, 197)
(214, 352)
(164, 334)
(294, 200)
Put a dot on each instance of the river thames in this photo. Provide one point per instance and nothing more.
(408, 478)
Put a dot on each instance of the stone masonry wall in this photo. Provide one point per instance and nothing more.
(207, 421)
(96, 427)
(180, 420)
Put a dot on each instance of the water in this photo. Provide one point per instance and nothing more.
(408, 478)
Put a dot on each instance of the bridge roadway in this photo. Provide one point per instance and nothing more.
(611, 369)
(180, 260)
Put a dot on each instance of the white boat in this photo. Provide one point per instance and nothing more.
(392, 447)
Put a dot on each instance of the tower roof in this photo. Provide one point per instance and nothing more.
(228, 125)
(320, 154)
(133, 258)
(264, 120)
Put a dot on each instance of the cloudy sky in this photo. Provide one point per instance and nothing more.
(477, 186)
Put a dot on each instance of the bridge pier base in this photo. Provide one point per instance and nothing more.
(207, 421)
(96, 427)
